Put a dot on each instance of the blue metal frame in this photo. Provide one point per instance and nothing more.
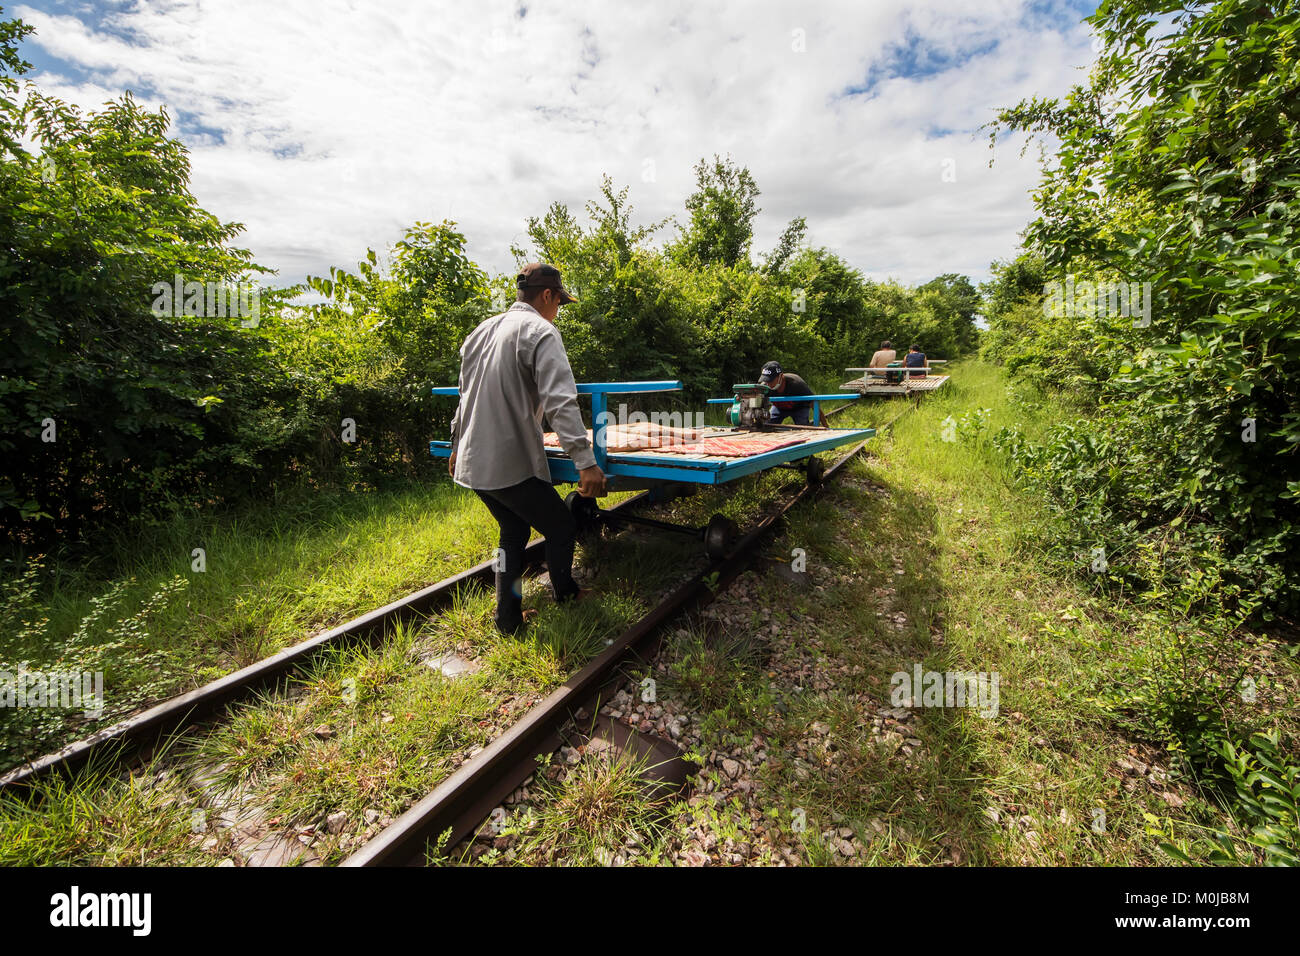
(791, 398)
(815, 399)
(663, 467)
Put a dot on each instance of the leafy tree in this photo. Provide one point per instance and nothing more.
(834, 298)
(612, 234)
(374, 347)
(1034, 342)
(143, 407)
(722, 210)
(12, 32)
(956, 305)
(1179, 165)
(792, 238)
(1014, 282)
(557, 236)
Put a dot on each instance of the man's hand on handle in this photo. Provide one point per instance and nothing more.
(591, 482)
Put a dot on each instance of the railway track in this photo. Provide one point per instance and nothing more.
(462, 801)
(140, 732)
(453, 810)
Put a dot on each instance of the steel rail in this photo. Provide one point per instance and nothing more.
(168, 717)
(469, 795)
(171, 716)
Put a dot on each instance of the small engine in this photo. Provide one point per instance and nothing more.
(751, 407)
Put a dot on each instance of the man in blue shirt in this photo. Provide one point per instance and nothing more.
(916, 359)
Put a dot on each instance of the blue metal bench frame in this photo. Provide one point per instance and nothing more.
(815, 399)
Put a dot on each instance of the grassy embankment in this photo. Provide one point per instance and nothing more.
(929, 554)
(925, 554)
(272, 576)
(365, 731)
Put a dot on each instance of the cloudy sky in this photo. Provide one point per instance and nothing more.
(327, 126)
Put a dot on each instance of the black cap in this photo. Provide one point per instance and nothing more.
(538, 275)
(770, 371)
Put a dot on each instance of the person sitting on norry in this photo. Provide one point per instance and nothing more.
(916, 359)
(884, 356)
(786, 383)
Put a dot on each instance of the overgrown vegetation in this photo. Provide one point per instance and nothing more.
(110, 412)
(1177, 166)
(1131, 522)
(275, 573)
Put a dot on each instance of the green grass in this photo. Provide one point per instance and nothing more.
(274, 576)
(366, 730)
(930, 553)
(598, 813)
(103, 818)
(927, 552)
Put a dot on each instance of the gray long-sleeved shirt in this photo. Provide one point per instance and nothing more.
(513, 370)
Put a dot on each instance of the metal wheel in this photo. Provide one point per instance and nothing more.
(585, 511)
(719, 535)
(816, 470)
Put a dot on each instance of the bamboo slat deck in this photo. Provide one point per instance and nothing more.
(673, 448)
(876, 384)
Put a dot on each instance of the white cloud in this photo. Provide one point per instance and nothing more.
(341, 123)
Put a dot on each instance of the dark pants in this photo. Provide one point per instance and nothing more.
(800, 413)
(530, 504)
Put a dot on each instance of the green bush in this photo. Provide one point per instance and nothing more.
(1265, 783)
(106, 408)
(1178, 165)
(153, 413)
